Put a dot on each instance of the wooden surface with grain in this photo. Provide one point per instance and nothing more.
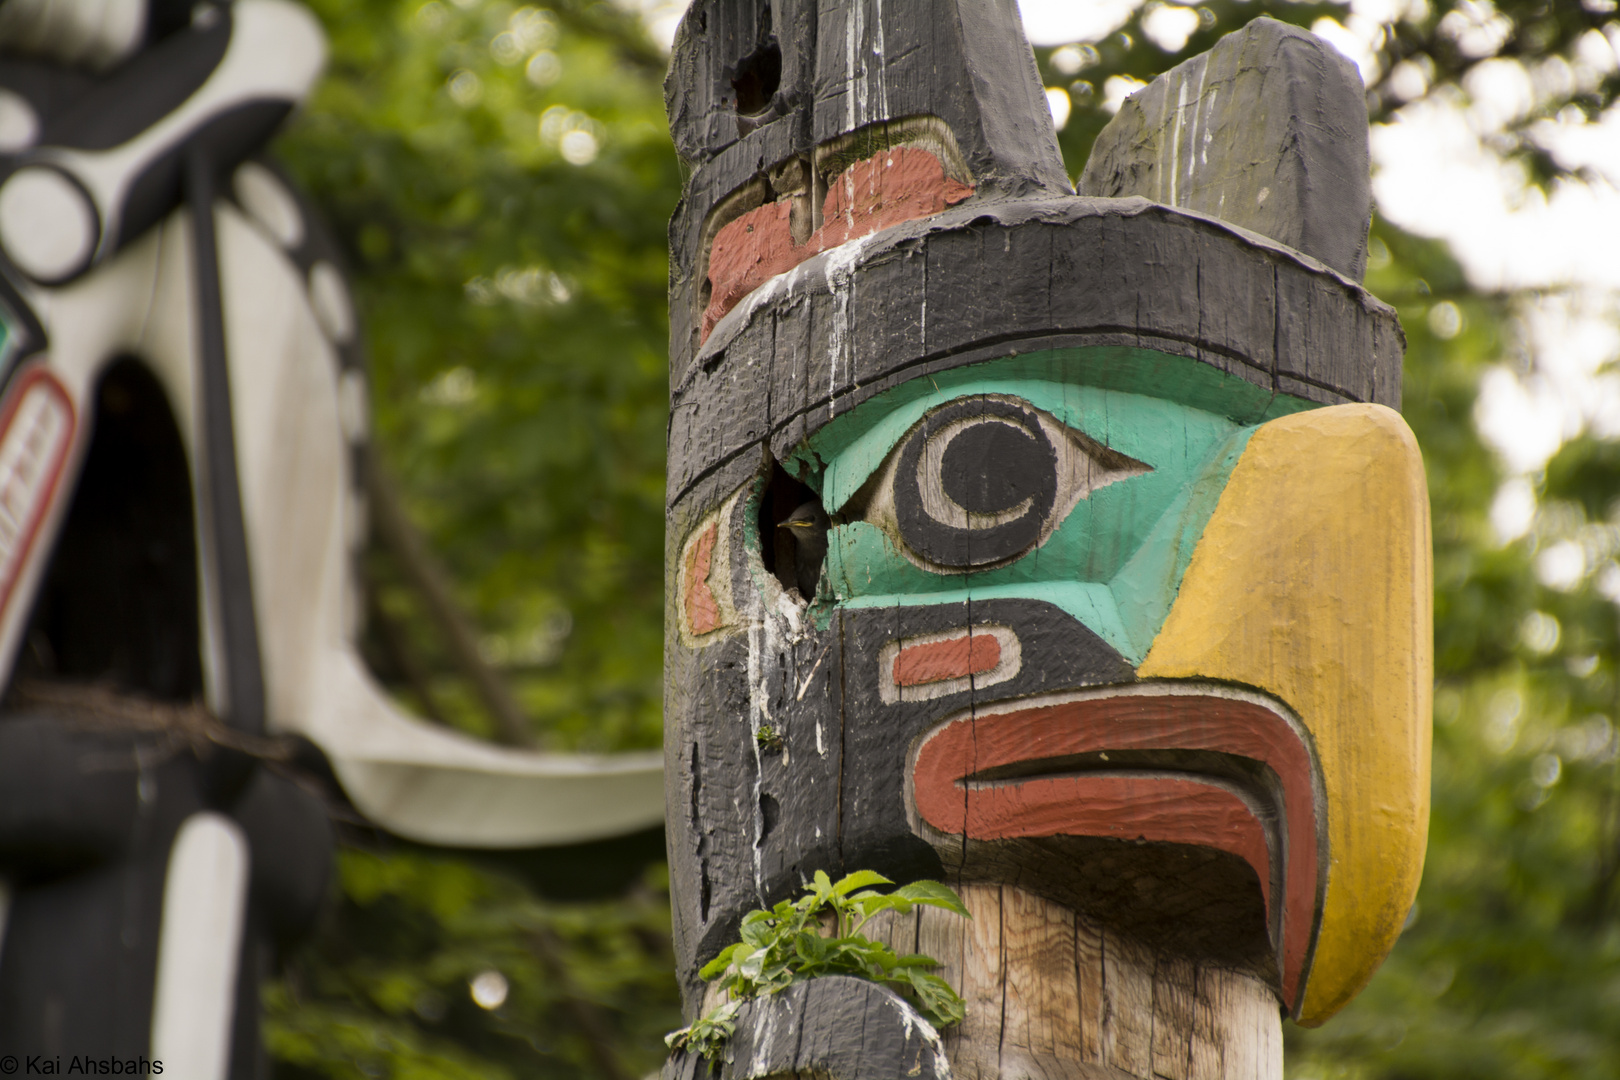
(1053, 996)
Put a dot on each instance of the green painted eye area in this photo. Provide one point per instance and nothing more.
(982, 480)
(1014, 478)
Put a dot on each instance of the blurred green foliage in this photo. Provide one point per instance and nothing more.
(500, 177)
(515, 308)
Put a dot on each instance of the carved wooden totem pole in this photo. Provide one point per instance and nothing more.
(1067, 549)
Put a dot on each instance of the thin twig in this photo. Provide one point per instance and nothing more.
(398, 648)
(97, 707)
(395, 529)
(587, 1018)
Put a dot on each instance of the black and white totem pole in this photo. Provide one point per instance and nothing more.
(183, 423)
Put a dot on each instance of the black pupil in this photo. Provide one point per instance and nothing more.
(992, 467)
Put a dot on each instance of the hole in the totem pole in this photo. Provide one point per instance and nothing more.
(119, 601)
(703, 890)
(770, 812)
(697, 791)
(795, 554)
(758, 77)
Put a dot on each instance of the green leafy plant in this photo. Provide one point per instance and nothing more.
(793, 942)
(709, 1034)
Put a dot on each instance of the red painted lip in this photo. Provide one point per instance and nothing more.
(958, 791)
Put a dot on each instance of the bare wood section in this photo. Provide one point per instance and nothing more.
(1173, 992)
(1043, 992)
(1052, 996)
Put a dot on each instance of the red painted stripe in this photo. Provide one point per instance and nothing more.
(702, 609)
(1099, 805)
(33, 500)
(940, 660)
(886, 189)
(1170, 810)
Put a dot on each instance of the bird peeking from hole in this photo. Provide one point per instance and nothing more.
(807, 525)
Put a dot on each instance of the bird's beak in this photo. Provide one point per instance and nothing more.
(1312, 582)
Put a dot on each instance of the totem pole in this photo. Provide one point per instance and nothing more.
(1067, 549)
(182, 450)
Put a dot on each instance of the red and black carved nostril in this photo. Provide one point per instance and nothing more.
(976, 483)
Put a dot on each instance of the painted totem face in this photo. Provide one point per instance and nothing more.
(1089, 637)
(1125, 588)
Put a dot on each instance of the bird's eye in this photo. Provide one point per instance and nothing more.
(979, 481)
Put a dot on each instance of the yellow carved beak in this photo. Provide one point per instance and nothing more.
(1313, 582)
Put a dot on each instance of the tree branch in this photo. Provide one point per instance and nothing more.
(395, 529)
(399, 652)
(587, 1017)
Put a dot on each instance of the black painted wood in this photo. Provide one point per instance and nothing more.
(749, 823)
(980, 282)
(846, 66)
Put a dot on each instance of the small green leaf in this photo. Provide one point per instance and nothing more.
(787, 945)
(933, 894)
(916, 960)
(940, 1004)
(812, 948)
(750, 964)
(756, 928)
(860, 879)
(717, 967)
(872, 903)
(708, 1035)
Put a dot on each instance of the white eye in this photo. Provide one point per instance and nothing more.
(982, 480)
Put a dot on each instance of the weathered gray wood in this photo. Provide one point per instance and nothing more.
(1267, 130)
(835, 1027)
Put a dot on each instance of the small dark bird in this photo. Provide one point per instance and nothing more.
(808, 527)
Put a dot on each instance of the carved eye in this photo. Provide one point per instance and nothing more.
(980, 481)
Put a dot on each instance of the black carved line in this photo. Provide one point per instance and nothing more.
(224, 530)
